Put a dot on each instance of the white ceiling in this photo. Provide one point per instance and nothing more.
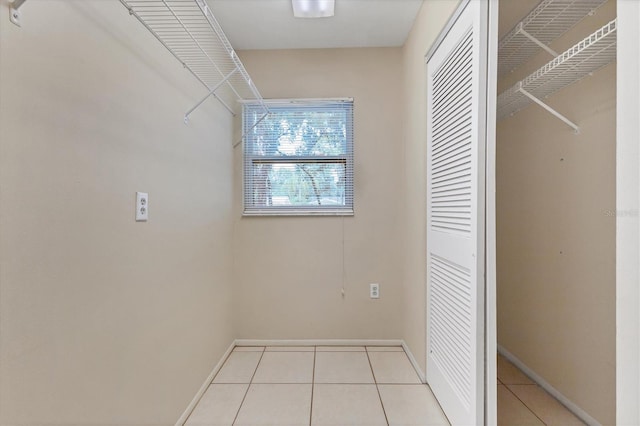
(269, 24)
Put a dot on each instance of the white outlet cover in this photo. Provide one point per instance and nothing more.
(142, 206)
(374, 291)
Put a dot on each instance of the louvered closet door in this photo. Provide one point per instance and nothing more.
(455, 216)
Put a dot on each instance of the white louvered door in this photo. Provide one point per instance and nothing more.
(456, 141)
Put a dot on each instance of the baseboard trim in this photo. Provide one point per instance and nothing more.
(339, 342)
(319, 342)
(183, 418)
(415, 364)
(570, 405)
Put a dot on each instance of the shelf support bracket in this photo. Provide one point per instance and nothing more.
(522, 31)
(552, 111)
(266, 114)
(14, 11)
(212, 92)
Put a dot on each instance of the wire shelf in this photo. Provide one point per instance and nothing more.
(548, 21)
(188, 29)
(587, 56)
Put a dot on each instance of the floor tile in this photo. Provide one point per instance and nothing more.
(392, 367)
(411, 405)
(546, 407)
(291, 348)
(248, 349)
(385, 349)
(285, 367)
(343, 367)
(218, 406)
(238, 368)
(512, 412)
(340, 405)
(281, 405)
(509, 374)
(340, 349)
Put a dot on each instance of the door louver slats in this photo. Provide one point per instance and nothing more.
(450, 295)
(452, 123)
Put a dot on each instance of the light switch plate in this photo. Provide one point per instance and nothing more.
(142, 206)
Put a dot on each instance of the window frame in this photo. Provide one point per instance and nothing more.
(248, 160)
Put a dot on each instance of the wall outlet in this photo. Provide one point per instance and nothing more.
(374, 291)
(142, 206)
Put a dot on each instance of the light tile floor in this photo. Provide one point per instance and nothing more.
(522, 402)
(350, 386)
(325, 385)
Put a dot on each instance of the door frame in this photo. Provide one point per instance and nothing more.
(491, 331)
(627, 217)
(491, 303)
(627, 225)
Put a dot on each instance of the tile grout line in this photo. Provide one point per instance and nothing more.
(523, 403)
(313, 383)
(248, 387)
(375, 381)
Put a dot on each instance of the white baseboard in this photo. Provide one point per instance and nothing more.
(416, 366)
(338, 342)
(570, 405)
(319, 342)
(205, 386)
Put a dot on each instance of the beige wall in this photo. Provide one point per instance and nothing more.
(289, 270)
(105, 320)
(432, 18)
(556, 237)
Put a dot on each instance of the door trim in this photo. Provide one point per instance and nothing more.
(490, 309)
(627, 217)
(443, 33)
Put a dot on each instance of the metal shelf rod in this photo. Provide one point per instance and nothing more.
(552, 111)
(192, 37)
(581, 60)
(215, 26)
(190, 32)
(212, 92)
(544, 24)
(522, 31)
(157, 36)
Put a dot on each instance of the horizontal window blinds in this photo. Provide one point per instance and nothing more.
(298, 159)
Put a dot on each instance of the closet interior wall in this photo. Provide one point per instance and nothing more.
(556, 227)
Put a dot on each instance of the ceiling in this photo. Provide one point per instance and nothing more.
(269, 24)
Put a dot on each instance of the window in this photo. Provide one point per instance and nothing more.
(298, 160)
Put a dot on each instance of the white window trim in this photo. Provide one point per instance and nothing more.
(302, 210)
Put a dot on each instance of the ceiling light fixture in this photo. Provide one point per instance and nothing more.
(313, 8)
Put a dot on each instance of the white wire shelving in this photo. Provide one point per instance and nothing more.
(548, 21)
(188, 29)
(579, 61)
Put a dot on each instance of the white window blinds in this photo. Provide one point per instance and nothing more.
(298, 160)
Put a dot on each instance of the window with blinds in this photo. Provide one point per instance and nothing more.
(298, 159)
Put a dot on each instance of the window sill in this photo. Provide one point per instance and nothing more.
(263, 213)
